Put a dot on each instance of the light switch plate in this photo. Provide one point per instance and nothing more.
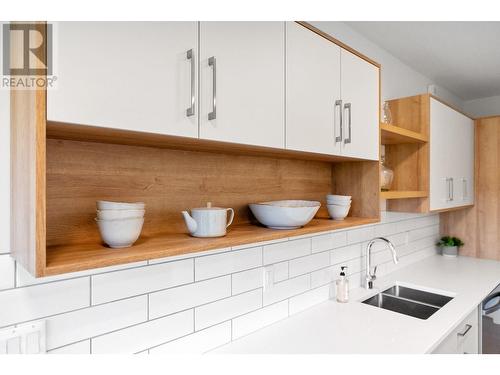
(26, 338)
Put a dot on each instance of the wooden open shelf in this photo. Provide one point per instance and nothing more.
(395, 194)
(392, 135)
(78, 257)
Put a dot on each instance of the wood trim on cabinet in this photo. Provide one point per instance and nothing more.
(337, 42)
(28, 185)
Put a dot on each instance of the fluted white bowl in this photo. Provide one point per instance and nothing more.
(122, 233)
(119, 214)
(338, 212)
(286, 214)
(107, 205)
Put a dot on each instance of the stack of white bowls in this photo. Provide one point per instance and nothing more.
(338, 206)
(120, 224)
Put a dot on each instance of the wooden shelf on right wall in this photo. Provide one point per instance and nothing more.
(393, 135)
(403, 194)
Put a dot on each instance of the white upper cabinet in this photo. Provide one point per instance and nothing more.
(332, 98)
(313, 106)
(127, 75)
(242, 82)
(451, 157)
(360, 100)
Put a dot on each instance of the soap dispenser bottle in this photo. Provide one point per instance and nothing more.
(342, 286)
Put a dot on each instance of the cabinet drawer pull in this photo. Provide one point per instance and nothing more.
(190, 56)
(349, 138)
(464, 186)
(338, 103)
(213, 63)
(467, 329)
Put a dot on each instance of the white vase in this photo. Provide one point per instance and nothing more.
(450, 251)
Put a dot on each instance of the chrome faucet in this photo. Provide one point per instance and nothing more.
(370, 277)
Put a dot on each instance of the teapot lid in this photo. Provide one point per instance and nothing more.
(207, 208)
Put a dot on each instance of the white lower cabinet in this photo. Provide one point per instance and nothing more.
(242, 72)
(451, 157)
(140, 76)
(464, 339)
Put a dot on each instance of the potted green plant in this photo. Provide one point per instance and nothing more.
(450, 245)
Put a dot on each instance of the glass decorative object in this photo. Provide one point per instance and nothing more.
(386, 113)
(386, 176)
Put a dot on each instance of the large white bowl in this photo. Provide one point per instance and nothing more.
(107, 205)
(337, 212)
(118, 234)
(288, 214)
(119, 214)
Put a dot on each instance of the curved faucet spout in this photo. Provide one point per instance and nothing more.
(371, 276)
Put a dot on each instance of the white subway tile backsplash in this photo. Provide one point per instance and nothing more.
(286, 289)
(308, 299)
(24, 278)
(281, 271)
(33, 302)
(94, 321)
(228, 308)
(7, 272)
(322, 243)
(189, 255)
(323, 276)
(187, 296)
(82, 347)
(197, 343)
(226, 263)
(253, 321)
(420, 233)
(346, 253)
(121, 284)
(145, 335)
(247, 280)
(286, 250)
(360, 235)
(307, 264)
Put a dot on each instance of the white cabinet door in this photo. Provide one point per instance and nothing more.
(464, 339)
(126, 75)
(464, 159)
(312, 90)
(242, 82)
(442, 152)
(360, 96)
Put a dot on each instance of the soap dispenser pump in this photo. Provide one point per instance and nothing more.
(342, 286)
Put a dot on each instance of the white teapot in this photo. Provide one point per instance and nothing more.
(208, 221)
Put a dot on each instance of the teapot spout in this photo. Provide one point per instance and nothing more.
(190, 222)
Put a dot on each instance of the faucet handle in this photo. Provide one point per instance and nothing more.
(375, 272)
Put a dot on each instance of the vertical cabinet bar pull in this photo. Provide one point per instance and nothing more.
(213, 63)
(464, 188)
(452, 189)
(190, 56)
(448, 187)
(338, 138)
(348, 107)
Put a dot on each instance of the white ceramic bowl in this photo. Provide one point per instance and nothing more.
(119, 214)
(342, 198)
(337, 212)
(287, 214)
(118, 234)
(107, 205)
(339, 202)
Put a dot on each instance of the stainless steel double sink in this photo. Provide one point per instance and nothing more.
(408, 301)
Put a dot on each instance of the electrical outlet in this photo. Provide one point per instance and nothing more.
(23, 339)
(268, 277)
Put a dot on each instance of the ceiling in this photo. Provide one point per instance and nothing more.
(462, 57)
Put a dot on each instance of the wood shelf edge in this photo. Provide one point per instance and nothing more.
(81, 257)
(395, 194)
(391, 134)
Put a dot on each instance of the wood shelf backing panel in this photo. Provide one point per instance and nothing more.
(394, 194)
(391, 134)
(168, 181)
(72, 258)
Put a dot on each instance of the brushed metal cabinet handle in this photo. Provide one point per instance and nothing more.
(190, 56)
(349, 138)
(464, 187)
(338, 103)
(452, 190)
(213, 63)
(467, 329)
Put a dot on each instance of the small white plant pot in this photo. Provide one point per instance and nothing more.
(449, 251)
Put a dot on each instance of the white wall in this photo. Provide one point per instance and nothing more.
(398, 79)
(483, 107)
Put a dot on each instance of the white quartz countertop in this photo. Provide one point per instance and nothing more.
(353, 327)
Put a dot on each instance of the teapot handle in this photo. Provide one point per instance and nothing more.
(231, 216)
